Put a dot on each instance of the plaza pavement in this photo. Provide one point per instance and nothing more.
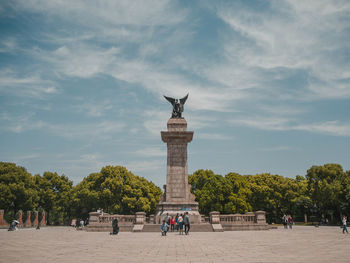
(64, 244)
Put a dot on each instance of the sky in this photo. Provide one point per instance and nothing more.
(82, 84)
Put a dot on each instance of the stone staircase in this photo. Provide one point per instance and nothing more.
(107, 228)
(151, 228)
(205, 227)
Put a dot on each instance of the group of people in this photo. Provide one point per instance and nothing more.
(287, 221)
(179, 223)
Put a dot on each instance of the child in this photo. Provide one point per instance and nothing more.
(164, 228)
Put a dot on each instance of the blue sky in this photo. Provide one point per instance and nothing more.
(81, 84)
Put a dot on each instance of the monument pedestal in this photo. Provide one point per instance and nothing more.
(177, 197)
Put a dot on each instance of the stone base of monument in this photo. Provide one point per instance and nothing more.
(205, 227)
(175, 208)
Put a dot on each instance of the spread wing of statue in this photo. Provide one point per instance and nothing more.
(178, 106)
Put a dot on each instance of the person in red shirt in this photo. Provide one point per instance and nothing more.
(172, 224)
(290, 221)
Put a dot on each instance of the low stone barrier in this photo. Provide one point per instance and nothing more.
(248, 221)
(138, 222)
(3, 222)
(28, 222)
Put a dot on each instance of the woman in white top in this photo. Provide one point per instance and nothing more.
(181, 225)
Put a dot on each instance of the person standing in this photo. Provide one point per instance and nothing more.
(285, 221)
(181, 225)
(172, 224)
(167, 219)
(344, 225)
(177, 222)
(290, 222)
(115, 227)
(187, 223)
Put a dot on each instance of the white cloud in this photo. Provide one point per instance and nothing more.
(81, 60)
(8, 45)
(334, 128)
(151, 152)
(276, 149)
(213, 136)
(110, 13)
(142, 166)
(330, 127)
(95, 108)
(295, 35)
(25, 86)
(87, 131)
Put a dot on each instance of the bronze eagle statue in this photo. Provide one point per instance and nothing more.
(178, 106)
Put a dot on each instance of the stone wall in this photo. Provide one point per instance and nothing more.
(248, 221)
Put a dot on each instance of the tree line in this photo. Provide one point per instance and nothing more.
(322, 194)
(114, 188)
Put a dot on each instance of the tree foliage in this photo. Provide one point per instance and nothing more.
(116, 190)
(17, 188)
(324, 192)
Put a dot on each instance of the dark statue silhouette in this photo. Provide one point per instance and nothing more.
(178, 106)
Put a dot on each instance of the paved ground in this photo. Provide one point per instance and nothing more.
(64, 244)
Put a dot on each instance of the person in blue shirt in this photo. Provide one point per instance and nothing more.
(164, 228)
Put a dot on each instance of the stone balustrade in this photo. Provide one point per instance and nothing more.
(122, 219)
(248, 218)
(258, 217)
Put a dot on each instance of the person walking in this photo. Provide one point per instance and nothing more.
(181, 225)
(164, 228)
(187, 223)
(167, 219)
(345, 228)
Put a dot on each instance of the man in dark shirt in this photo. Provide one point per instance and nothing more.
(187, 223)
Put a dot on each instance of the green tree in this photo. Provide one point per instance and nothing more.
(329, 187)
(116, 190)
(217, 193)
(17, 189)
(55, 196)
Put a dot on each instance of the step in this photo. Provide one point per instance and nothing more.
(151, 228)
(205, 227)
(105, 228)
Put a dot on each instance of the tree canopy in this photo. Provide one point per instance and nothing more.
(324, 192)
(114, 188)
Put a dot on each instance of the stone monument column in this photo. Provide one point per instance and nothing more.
(177, 137)
(177, 197)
